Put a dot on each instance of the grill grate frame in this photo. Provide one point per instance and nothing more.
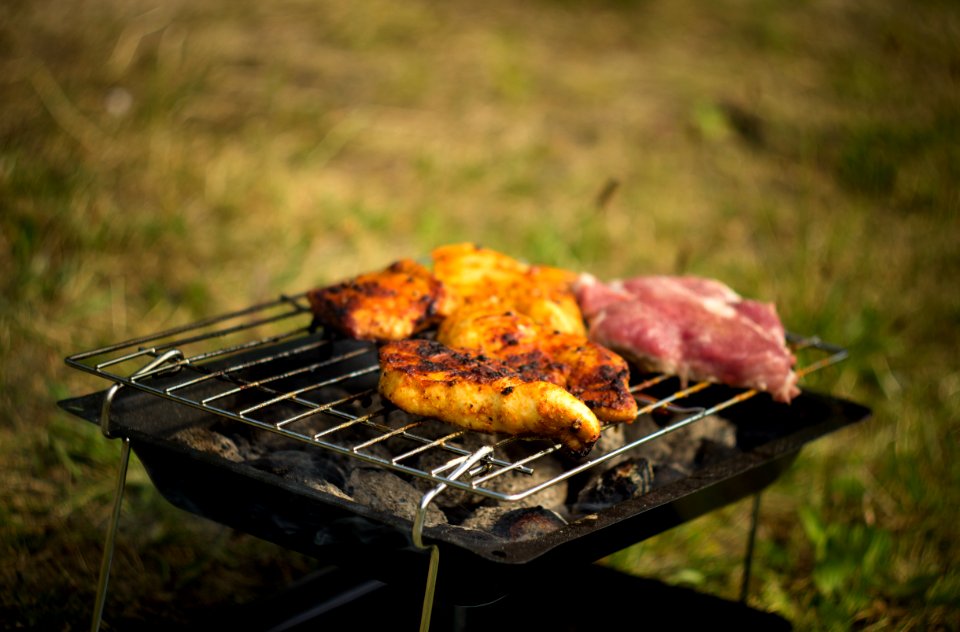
(266, 366)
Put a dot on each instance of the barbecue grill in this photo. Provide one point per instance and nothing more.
(269, 371)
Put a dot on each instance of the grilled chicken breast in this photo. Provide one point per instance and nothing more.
(592, 373)
(428, 378)
(391, 304)
(475, 276)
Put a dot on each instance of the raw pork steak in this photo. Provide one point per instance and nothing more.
(695, 328)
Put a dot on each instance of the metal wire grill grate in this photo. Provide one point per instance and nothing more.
(266, 366)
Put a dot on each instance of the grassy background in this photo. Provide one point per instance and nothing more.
(160, 163)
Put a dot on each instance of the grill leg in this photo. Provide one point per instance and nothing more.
(107, 430)
(466, 462)
(427, 610)
(108, 545)
(748, 557)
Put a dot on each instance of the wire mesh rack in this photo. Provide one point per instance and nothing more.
(270, 367)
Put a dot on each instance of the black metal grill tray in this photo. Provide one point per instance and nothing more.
(475, 568)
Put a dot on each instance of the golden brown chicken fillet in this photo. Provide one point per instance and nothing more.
(391, 304)
(476, 276)
(596, 375)
(427, 378)
(592, 373)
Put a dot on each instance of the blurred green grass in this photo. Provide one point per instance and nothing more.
(163, 163)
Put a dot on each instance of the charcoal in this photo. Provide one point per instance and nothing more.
(626, 476)
(327, 487)
(680, 447)
(628, 479)
(206, 440)
(527, 523)
(483, 518)
(377, 450)
(665, 473)
(317, 423)
(451, 498)
(302, 466)
(385, 491)
(616, 436)
(611, 438)
(553, 497)
(255, 443)
(456, 501)
(512, 523)
(711, 452)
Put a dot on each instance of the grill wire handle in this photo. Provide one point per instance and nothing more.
(105, 427)
(468, 462)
